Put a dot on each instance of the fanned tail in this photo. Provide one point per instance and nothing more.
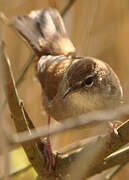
(45, 32)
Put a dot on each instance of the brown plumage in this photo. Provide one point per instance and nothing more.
(70, 85)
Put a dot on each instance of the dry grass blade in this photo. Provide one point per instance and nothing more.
(20, 117)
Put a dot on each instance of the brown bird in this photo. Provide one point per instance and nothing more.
(71, 85)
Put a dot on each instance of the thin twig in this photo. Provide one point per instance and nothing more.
(67, 7)
(115, 171)
(98, 116)
(24, 69)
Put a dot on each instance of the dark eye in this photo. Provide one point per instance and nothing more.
(89, 81)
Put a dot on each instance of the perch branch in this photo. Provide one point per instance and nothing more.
(114, 143)
(114, 159)
(96, 152)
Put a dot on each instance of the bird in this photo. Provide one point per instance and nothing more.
(71, 85)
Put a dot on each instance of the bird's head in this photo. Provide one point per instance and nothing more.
(93, 81)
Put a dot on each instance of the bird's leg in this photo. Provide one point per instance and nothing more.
(50, 158)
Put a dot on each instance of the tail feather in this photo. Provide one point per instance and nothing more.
(45, 32)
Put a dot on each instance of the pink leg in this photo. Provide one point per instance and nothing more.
(50, 158)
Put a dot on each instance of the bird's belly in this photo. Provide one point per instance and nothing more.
(71, 107)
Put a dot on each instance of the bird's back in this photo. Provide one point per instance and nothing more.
(51, 70)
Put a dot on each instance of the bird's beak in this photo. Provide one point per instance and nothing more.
(67, 92)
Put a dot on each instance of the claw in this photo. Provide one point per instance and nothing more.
(114, 126)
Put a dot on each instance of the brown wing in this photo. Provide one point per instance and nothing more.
(50, 73)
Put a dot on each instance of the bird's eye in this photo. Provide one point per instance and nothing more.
(89, 81)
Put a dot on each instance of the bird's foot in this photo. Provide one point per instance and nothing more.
(113, 126)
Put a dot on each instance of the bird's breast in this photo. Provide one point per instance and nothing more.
(70, 107)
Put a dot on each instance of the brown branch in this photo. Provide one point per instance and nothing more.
(20, 117)
(114, 142)
(111, 142)
(114, 159)
(96, 152)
